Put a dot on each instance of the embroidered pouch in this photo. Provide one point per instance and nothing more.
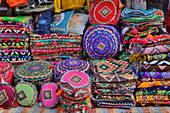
(8, 96)
(60, 22)
(48, 95)
(101, 42)
(26, 93)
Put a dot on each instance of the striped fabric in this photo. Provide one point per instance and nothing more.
(37, 109)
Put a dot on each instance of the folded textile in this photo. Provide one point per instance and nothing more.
(14, 30)
(16, 24)
(153, 92)
(155, 103)
(144, 84)
(22, 19)
(144, 98)
(153, 88)
(157, 62)
(14, 52)
(111, 91)
(152, 67)
(15, 58)
(13, 35)
(160, 75)
(151, 50)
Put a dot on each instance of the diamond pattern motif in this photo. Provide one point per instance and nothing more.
(21, 95)
(3, 97)
(105, 11)
(47, 94)
(76, 79)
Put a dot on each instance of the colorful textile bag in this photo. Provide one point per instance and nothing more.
(6, 72)
(70, 64)
(8, 96)
(36, 72)
(48, 95)
(101, 42)
(26, 93)
(105, 12)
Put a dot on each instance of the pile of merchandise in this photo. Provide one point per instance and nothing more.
(55, 47)
(14, 39)
(138, 24)
(76, 92)
(114, 84)
(150, 57)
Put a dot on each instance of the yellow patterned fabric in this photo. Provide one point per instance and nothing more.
(152, 98)
(147, 84)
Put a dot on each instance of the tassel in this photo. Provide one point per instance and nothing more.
(149, 36)
(59, 92)
(134, 31)
(37, 99)
(51, 67)
(64, 107)
(126, 38)
(16, 104)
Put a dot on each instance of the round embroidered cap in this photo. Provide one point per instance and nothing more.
(101, 42)
(6, 72)
(48, 95)
(7, 96)
(26, 93)
(71, 64)
(36, 72)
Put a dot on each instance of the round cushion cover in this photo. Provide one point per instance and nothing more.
(7, 96)
(104, 12)
(70, 64)
(37, 72)
(74, 80)
(48, 95)
(6, 72)
(101, 42)
(26, 93)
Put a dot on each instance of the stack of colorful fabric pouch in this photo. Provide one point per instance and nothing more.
(36, 72)
(76, 92)
(101, 42)
(68, 65)
(14, 39)
(113, 84)
(55, 47)
(152, 55)
(140, 24)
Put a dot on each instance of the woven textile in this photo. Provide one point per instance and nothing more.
(145, 84)
(37, 72)
(22, 19)
(105, 12)
(157, 62)
(26, 93)
(101, 42)
(6, 72)
(162, 75)
(153, 92)
(143, 98)
(156, 68)
(8, 96)
(48, 96)
(112, 71)
(70, 64)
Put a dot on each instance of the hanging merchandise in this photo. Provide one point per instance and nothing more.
(70, 4)
(101, 42)
(168, 22)
(105, 12)
(139, 4)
